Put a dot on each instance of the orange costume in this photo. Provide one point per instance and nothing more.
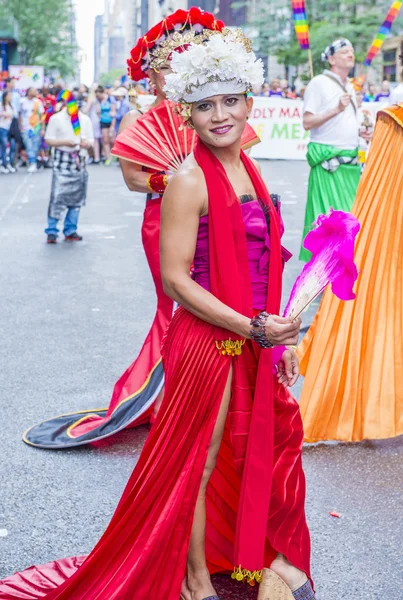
(352, 356)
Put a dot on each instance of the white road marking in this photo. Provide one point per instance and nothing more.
(15, 196)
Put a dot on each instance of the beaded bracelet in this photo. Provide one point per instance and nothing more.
(258, 332)
(157, 183)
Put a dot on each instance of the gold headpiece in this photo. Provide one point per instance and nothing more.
(162, 54)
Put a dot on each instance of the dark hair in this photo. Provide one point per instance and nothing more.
(100, 90)
(3, 99)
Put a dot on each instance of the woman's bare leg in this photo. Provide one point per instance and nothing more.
(197, 584)
(97, 155)
(106, 143)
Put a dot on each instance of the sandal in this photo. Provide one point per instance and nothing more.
(273, 587)
(208, 598)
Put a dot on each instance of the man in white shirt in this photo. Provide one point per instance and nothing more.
(331, 116)
(31, 111)
(70, 176)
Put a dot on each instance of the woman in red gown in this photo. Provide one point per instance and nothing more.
(138, 391)
(219, 486)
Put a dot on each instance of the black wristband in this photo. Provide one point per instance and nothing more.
(257, 332)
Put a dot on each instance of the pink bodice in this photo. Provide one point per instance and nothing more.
(258, 242)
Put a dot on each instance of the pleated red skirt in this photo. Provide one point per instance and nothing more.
(142, 553)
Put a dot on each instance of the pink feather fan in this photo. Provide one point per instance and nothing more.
(332, 245)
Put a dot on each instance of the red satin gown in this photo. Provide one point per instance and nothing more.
(142, 554)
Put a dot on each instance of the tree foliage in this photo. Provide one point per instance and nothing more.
(358, 21)
(46, 34)
(110, 77)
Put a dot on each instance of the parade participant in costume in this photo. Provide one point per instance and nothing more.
(139, 390)
(227, 418)
(70, 133)
(331, 116)
(352, 355)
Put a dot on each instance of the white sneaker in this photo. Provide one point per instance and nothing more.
(4, 170)
(11, 168)
(32, 168)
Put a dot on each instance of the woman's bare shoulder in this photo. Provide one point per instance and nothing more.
(190, 176)
(188, 184)
(129, 119)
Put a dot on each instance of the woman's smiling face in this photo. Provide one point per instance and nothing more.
(220, 120)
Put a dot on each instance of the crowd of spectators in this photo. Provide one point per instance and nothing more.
(24, 118)
(280, 88)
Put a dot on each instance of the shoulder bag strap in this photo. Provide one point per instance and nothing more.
(343, 88)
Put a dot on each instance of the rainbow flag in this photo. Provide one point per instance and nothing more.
(72, 109)
(383, 32)
(301, 23)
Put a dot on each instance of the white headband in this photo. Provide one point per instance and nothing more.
(221, 64)
(335, 47)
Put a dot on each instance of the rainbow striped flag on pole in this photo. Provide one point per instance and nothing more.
(301, 23)
(383, 32)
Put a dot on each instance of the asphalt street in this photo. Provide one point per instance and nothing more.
(73, 317)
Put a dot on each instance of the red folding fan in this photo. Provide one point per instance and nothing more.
(159, 140)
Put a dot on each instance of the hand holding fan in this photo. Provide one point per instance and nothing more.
(332, 247)
(160, 140)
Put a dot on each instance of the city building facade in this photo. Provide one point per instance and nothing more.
(120, 26)
(391, 52)
(8, 44)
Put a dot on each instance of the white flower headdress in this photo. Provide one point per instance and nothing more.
(212, 64)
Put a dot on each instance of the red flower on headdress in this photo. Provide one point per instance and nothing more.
(179, 16)
(155, 33)
(139, 61)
